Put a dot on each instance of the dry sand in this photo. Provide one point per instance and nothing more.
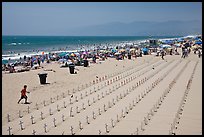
(119, 112)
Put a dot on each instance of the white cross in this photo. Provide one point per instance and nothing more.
(9, 130)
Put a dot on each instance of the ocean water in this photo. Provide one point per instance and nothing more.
(16, 46)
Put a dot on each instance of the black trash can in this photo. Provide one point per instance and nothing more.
(129, 56)
(86, 63)
(71, 68)
(42, 77)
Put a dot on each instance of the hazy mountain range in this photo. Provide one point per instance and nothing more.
(141, 28)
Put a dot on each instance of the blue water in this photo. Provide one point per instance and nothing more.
(29, 44)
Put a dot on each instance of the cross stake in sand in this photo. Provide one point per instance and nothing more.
(32, 121)
(21, 124)
(80, 125)
(94, 115)
(83, 106)
(70, 100)
(104, 108)
(8, 117)
(137, 131)
(71, 112)
(81, 96)
(98, 97)
(89, 103)
(109, 105)
(76, 99)
(50, 111)
(34, 132)
(28, 109)
(113, 101)
(63, 118)
(20, 116)
(41, 115)
(117, 118)
(77, 109)
(45, 127)
(112, 122)
(64, 104)
(9, 130)
(51, 100)
(44, 103)
(102, 95)
(106, 126)
(87, 120)
(58, 108)
(99, 111)
(99, 132)
(142, 126)
(54, 120)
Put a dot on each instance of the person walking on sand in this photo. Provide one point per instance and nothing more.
(162, 54)
(23, 95)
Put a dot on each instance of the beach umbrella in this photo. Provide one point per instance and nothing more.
(122, 50)
(113, 50)
(145, 49)
(85, 53)
(117, 53)
(74, 55)
(132, 49)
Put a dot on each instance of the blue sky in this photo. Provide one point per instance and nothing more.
(41, 18)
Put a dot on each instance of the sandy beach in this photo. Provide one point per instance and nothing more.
(146, 95)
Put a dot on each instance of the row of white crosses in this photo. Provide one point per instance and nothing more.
(160, 100)
(181, 105)
(83, 104)
(63, 94)
(64, 107)
(145, 122)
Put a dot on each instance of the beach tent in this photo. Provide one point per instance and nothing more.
(165, 46)
(4, 61)
(62, 60)
(113, 50)
(177, 45)
(62, 54)
(198, 42)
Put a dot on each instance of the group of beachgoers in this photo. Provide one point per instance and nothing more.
(119, 53)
